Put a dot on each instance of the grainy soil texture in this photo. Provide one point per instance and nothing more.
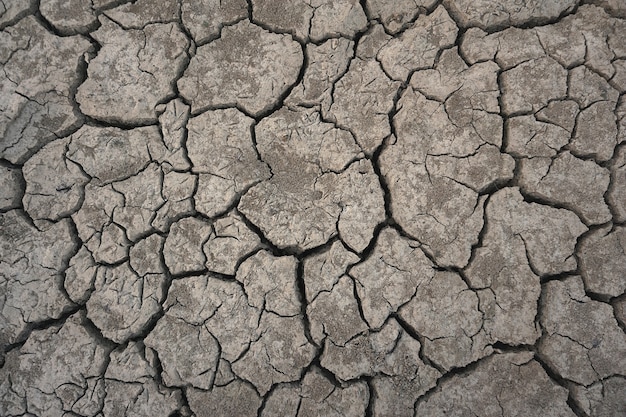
(381, 208)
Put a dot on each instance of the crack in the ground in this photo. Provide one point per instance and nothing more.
(301, 256)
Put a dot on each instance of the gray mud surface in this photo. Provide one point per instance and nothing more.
(313, 208)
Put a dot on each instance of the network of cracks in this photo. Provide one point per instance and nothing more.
(312, 207)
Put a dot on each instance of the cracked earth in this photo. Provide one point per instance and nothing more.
(313, 208)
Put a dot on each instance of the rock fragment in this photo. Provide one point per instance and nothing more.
(225, 73)
(133, 72)
(35, 98)
(602, 256)
(582, 340)
(504, 384)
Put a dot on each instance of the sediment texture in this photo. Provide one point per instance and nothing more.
(305, 208)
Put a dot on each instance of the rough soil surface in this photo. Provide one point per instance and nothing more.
(376, 208)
